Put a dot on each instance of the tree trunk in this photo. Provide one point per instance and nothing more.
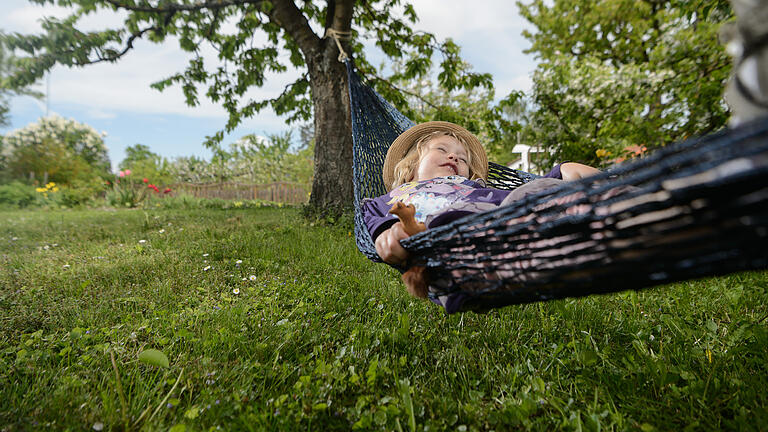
(332, 184)
(332, 188)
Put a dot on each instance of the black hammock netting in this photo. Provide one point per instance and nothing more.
(697, 208)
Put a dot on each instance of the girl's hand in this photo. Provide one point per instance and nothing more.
(388, 245)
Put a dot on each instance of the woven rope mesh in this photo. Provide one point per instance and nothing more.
(694, 209)
(375, 124)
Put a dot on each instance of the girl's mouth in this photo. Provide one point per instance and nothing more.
(453, 167)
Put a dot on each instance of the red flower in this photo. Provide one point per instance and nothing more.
(145, 180)
(167, 190)
(151, 186)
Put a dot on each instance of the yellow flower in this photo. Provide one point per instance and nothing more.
(50, 185)
(41, 190)
(55, 189)
(601, 153)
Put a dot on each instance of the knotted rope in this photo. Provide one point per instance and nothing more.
(339, 36)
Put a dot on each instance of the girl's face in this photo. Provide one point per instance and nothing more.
(443, 156)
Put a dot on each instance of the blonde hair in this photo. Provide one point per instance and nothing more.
(405, 170)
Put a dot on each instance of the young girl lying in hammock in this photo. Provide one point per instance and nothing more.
(441, 169)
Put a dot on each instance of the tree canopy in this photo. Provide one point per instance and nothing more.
(617, 76)
(64, 150)
(144, 163)
(251, 39)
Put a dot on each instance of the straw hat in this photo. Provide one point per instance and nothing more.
(409, 138)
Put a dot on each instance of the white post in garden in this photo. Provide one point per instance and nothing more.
(525, 161)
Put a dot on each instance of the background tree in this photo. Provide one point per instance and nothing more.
(144, 163)
(191, 169)
(293, 29)
(620, 73)
(266, 160)
(138, 153)
(63, 150)
(475, 108)
(7, 69)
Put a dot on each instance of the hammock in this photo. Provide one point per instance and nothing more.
(694, 209)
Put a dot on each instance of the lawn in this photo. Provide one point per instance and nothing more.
(271, 323)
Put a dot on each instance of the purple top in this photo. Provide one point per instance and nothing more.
(438, 201)
(555, 172)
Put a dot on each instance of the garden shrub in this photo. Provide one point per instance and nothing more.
(81, 192)
(16, 194)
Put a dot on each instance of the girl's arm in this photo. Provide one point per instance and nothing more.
(571, 171)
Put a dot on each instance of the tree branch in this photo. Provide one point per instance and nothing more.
(292, 20)
(211, 4)
(128, 44)
(342, 17)
(114, 57)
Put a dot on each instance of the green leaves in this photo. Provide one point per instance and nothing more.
(154, 357)
(618, 73)
(404, 388)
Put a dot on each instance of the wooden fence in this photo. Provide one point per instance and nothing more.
(281, 192)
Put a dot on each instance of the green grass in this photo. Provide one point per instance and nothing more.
(322, 339)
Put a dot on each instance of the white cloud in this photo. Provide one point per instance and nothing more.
(457, 18)
(24, 17)
(522, 83)
(100, 114)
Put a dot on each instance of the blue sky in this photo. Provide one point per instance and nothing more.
(117, 99)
